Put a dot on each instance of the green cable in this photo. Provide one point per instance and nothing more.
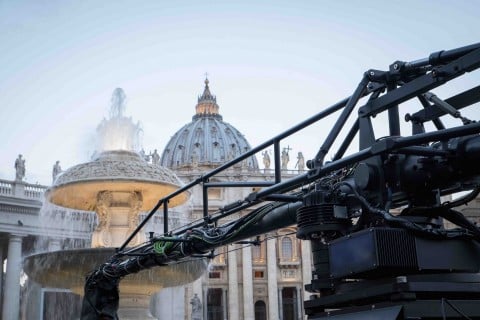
(160, 247)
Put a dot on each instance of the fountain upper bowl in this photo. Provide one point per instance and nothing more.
(116, 171)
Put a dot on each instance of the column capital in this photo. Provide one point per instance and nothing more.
(272, 234)
(16, 236)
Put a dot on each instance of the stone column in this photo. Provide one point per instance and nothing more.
(233, 310)
(1, 269)
(299, 302)
(224, 303)
(306, 262)
(11, 301)
(248, 308)
(205, 301)
(280, 303)
(272, 280)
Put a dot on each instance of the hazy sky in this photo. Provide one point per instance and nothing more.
(270, 63)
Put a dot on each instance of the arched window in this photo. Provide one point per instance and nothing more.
(260, 310)
(287, 249)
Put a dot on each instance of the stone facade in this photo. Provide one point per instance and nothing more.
(243, 281)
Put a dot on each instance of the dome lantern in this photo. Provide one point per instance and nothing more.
(207, 104)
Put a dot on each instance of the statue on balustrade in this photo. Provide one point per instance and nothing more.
(266, 160)
(155, 158)
(19, 168)
(56, 170)
(300, 162)
(285, 158)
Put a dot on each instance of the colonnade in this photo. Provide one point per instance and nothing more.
(237, 298)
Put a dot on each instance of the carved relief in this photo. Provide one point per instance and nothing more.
(136, 202)
(101, 237)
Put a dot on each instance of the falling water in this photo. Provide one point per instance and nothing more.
(62, 229)
(66, 228)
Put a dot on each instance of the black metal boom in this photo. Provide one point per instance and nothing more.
(411, 266)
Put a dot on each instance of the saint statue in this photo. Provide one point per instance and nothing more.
(300, 162)
(266, 159)
(285, 158)
(19, 168)
(56, 170)
(196, 308)
(144, 156)
(155, 158)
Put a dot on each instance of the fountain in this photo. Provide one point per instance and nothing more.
(118, 185)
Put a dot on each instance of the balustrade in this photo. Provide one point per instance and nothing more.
(22, 190)
(6, 188)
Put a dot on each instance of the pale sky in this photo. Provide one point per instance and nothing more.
(271, 64)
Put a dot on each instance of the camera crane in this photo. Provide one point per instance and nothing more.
(368, 262)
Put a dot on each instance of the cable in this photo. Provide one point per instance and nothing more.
(404, 223)
(250, 245)
(462, 200)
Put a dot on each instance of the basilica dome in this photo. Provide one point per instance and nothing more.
(207, 140)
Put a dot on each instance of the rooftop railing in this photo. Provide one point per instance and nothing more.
(20, 189)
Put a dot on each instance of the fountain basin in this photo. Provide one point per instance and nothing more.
(68, 269)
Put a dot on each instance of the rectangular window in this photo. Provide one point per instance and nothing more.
(214, 194)
(214, 275)
(258, 274)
